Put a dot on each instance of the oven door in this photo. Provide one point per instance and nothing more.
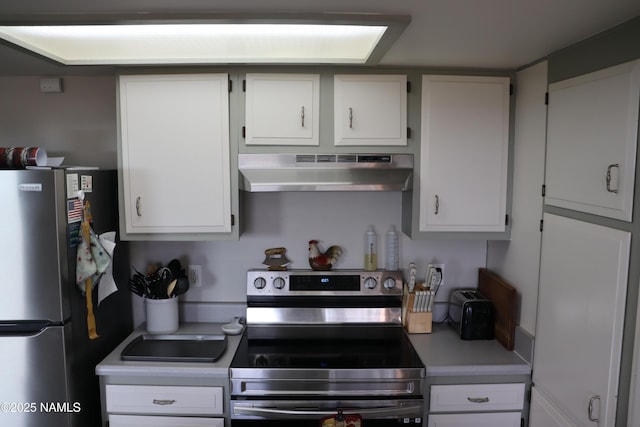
(309, 413)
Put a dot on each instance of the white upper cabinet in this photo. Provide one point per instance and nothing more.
(370, 110)
(174, 154)
(464, 153)
(282, 109)
(592, 135)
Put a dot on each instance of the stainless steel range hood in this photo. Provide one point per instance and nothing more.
(325, 172)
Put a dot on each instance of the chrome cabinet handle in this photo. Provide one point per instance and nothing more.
(590, 409)
(609, 189)
(478, 399)
(302, 116)
(437, 205)
(163, 402)
(350, 118)
(138, 207)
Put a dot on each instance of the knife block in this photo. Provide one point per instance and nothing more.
(415, 322)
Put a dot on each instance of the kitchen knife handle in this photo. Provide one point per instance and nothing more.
(138, 208)
(437, 205)
(350, 118)
(590, 409)
(615, 165)
(302, 116)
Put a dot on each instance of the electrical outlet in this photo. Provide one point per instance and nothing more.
(51, 85)
(195, 275)
(434, 279)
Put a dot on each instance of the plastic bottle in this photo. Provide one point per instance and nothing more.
(392, 250)
(371, 250)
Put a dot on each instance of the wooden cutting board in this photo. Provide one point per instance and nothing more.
(503, 296)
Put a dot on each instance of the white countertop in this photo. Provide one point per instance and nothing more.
(113, 365)
(444, 353)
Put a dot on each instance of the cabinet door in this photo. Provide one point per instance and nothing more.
(174, 146)
(370, 110)
(583, 277)
(464, 153)
(282, 109)
(154, 421)
(592, 135)
(494, 419)
(543, 414)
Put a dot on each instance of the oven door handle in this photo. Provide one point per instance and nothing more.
(383, 411)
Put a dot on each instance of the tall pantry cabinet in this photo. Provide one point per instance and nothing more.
(583, 281)
(584, 265)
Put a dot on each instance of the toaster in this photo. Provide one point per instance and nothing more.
(472, 315)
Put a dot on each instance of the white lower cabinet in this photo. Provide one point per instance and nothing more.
(145, 421)
(477, 405)
(150, 405)
(500, 419)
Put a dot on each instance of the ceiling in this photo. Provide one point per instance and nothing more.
(494, 34)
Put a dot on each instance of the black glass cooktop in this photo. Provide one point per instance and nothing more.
(335, 348)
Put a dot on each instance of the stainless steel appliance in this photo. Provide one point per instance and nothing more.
(318, 342)
(472, 315)
(47, 361)
(325, 172)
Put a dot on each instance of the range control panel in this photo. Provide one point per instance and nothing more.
(325, 283)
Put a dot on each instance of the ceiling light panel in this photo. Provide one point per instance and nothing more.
(198, 43)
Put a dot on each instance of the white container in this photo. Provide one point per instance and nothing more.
(162, 315)
(371, 250)
(392, 250)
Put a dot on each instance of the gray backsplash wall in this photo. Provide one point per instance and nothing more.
(80, 124)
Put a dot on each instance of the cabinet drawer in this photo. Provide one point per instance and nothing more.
(147, 421)
(179, 400)
(500, 419)
(476, 397)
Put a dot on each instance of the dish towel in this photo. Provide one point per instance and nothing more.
(91, 262)
(107, 283)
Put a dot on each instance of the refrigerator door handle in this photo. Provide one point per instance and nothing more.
(23, 329)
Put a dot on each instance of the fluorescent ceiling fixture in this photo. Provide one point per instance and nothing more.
(198, 43)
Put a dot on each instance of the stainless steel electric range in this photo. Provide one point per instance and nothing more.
(319, 342)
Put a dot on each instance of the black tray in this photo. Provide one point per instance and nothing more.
(175, 348)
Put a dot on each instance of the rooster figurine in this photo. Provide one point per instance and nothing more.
(323, 261)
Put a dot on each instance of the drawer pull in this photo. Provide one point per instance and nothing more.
(163, 402)
(478, 399)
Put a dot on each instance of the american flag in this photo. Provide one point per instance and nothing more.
(74, 211)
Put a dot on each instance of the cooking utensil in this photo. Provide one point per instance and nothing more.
(171, 288)
(182, 285)
(138, 283)
(176, 268)
(158, 282)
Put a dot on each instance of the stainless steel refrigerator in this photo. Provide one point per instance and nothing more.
(47, 360)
